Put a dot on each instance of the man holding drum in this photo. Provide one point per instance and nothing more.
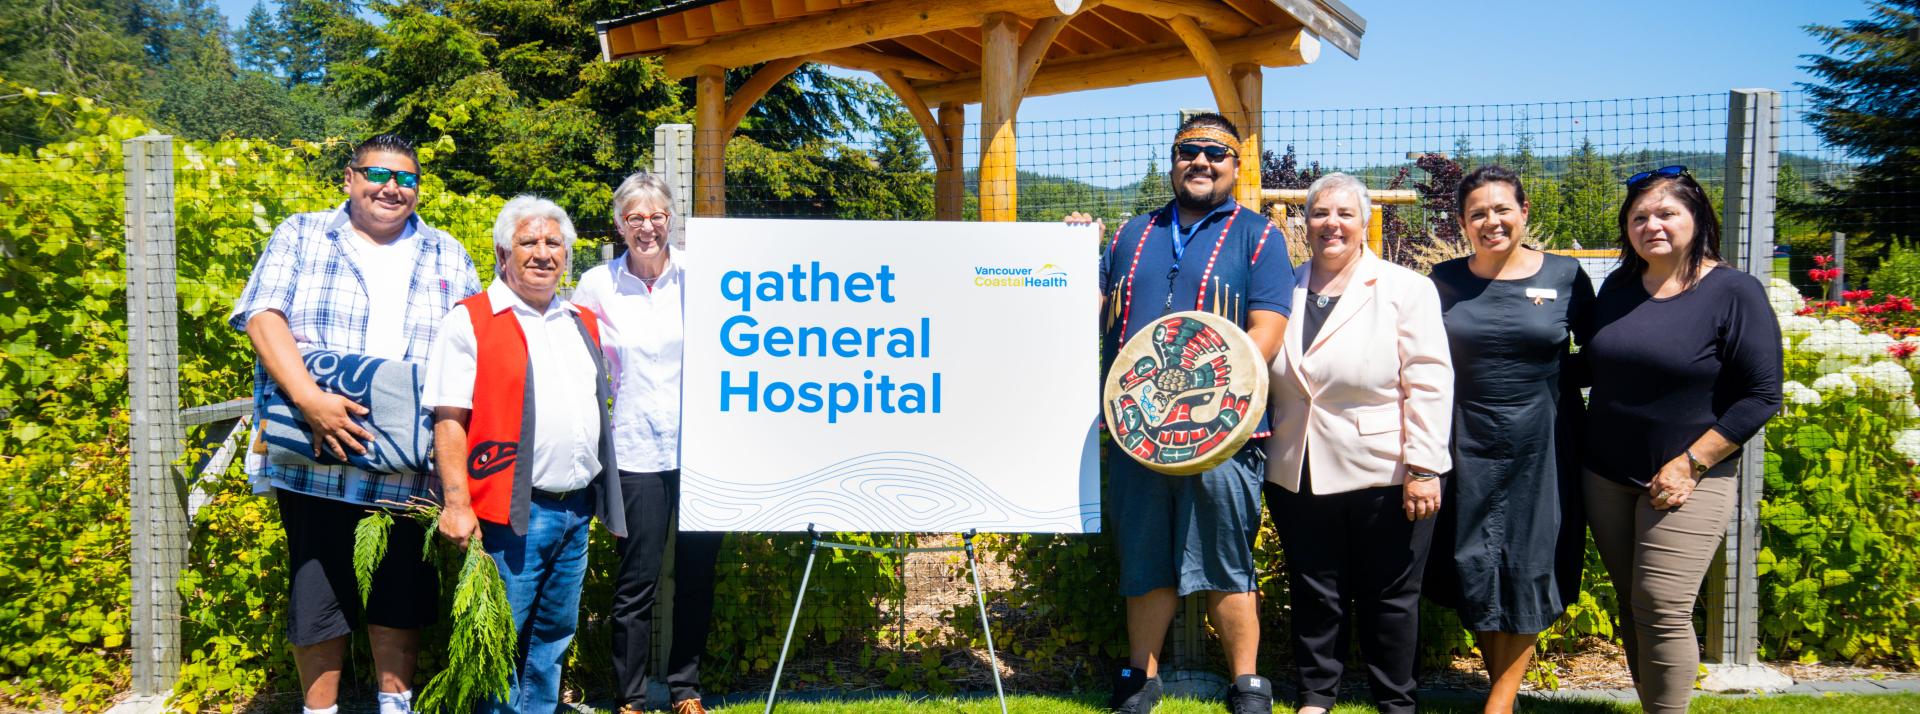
(1181, 534)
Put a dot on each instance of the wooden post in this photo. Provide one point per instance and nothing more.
(999, 74)
(1732, 595)
(710, 151)
(949, 189)
(1377, 231)
(1247, 83)
(673, 161)
(159, 549)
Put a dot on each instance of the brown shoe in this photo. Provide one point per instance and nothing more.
(689, 706)
(633, 709)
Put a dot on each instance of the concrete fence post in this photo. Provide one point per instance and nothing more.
(159, 520)
(1733, 585)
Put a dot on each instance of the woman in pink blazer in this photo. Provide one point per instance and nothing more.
(1362, 408)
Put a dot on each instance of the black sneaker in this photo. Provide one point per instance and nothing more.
(1134, 692)
(1250, 694)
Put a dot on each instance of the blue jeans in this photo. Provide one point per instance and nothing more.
(543, 571)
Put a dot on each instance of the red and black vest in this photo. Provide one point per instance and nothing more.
(502, 422)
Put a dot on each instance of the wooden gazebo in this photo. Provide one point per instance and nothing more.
(941, 55)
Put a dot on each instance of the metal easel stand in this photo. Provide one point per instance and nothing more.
(973, 567)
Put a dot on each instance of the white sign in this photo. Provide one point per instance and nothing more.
(890, 376)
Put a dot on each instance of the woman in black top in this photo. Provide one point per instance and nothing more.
(1515, 534)
(1685, 363)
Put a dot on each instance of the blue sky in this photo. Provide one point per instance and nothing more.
(1447, 52)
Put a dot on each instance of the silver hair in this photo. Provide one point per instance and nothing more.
(524, 207)
(642, 184)
(1337, 182)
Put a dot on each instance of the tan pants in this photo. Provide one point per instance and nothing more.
(1657, 560)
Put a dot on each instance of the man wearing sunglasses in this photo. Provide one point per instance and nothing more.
(1178, 535)
(369, 278)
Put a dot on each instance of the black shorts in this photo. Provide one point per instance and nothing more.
(323, 600)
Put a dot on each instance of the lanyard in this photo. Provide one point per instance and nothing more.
(1179, 240)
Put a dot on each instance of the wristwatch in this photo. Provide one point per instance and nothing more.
(1699, 468)
(1418, 474)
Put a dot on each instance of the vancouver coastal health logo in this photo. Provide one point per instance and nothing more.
(1045, 276)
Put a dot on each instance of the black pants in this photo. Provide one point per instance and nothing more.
(652, 499)
(1356, 553)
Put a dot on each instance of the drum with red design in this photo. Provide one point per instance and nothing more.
(1185, 393)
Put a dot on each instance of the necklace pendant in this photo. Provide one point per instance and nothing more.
(1321, 302)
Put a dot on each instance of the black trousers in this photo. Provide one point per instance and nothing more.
(1353, 554)
(653, 498)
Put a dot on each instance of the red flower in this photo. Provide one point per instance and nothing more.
(1822, 260)
(1853, 295)
(1903, 350)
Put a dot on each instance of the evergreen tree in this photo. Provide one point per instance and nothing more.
(259, 45)
(1868, 103)
(1590, 197)
(1153, 191)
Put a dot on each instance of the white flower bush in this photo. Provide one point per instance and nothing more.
(1835, 359)
(1798, 393)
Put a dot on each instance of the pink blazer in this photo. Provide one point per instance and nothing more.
(1373, 394)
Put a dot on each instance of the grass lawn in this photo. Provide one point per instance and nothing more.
(1090, 704)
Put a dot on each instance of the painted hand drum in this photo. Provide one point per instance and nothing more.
(1185, 393)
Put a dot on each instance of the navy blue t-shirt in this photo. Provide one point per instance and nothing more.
(1233, 262)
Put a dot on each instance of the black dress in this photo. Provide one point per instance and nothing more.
(1511, 513)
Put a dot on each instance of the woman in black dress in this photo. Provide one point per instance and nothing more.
(1510, 311)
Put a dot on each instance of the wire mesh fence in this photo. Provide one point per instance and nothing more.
(1836, 526)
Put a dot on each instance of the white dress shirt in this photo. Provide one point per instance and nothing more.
(647, 343)
(566, 436)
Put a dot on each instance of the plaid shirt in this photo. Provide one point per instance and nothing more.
(306, 274)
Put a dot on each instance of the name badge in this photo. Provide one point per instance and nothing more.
(1539, 294)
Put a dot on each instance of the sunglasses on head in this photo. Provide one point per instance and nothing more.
(382, 174)
(1663, 172)
(1214, 152)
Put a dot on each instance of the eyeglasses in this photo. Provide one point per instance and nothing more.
(1214, 152)
(1663, 172)
(635, 219)
(380, 175)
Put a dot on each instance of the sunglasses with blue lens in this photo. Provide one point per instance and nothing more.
(1662, 172)
(381, 174)
(1214, 152)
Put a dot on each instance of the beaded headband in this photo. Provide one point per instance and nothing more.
(1208, 132)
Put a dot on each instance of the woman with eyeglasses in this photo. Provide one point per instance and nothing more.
(1685, 364)
(1361, 400)
(639, 296)
(1510, 540)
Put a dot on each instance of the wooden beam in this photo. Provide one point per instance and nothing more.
(673, 30)
(845, 28)
(1000, 101)
(750, 93)
(699, 22)
(710, 146)
(1116, 31)
(929, 126)
(1247, 84)
(726, 17)
(756, 12)
(1339, 25)
(1380, 197)
(1033, 50)
(1211, 16)
(1225, 97)
(876, 62)
(939, 54)
(949, 185)
(1276, 47)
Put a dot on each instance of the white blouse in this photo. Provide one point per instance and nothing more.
(648, 338)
